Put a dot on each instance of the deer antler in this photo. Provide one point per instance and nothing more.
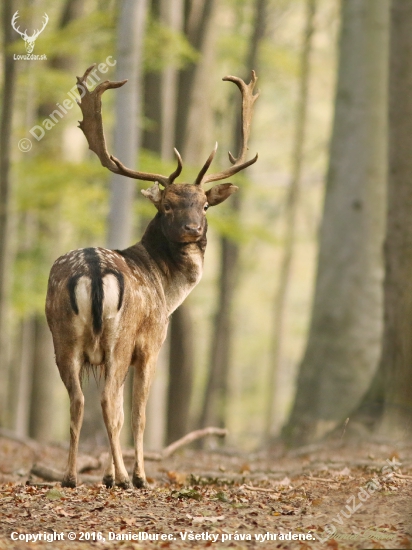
(92, 127)
(36, 33)
(13, 21)
(248, 99)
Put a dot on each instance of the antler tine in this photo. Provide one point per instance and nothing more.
(199, 179)
(92, 127)
(178, 170)
(248, 100)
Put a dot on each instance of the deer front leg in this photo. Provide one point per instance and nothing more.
(112, 406)
(142, 379)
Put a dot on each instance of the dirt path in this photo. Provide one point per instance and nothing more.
(210, 499)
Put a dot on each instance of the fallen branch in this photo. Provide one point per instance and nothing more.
(84, 462)
(260, 489)
(49, 474)
(88, 463)
(402, 476)
(182, 442)
(322, 479)
(27, 441)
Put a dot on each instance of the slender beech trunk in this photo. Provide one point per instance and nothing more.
(198, 15)
(160, 107)
(346, 323)
(291, 207)
(40, 406)
(22, 377)
(181, 377)
(130, 33)
(45, 377)
(126, 143)
(197, 25)
(8, 94)
(214, 410)
(397, 340)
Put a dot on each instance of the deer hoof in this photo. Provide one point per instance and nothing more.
(139, 482)
(69, 482)
(124, 484)
(108, 481)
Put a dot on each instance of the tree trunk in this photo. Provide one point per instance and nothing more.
(180, 374)
(160, 108)
(214, 410)
(130, 33)
(45, 377)
(8, 94)
(216, 394)
(22, 378)
(126, 142)
(40, 404)
(397, 340)
(346, 325)
(291, 207)
(171, 13)
(198, 15)
(198, 19)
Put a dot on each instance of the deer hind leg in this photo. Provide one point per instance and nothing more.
(109, 473)
(108, 476)
(142, 379)
(112, 406)
(70, 375)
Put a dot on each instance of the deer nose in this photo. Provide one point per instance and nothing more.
(193, 228)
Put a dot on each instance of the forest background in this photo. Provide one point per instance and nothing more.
(293, 328)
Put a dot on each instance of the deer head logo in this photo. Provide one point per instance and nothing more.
(29, 40)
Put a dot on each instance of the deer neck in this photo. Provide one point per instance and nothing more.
(180, 264)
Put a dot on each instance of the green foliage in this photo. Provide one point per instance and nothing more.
(165, 47)
(59, 205)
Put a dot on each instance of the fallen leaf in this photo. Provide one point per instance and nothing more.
(54, 494)
(186, 493)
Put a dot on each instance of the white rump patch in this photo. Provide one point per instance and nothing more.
(111, 296)
(83, 300)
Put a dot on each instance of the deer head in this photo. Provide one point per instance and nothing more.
(29, 41)
(180, 223)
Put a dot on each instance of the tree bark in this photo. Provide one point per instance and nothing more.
(126, 142)
(346, 324)
(22, 378)
(214, 410)
(160, 107)
(44, 379)
(8, 95)
(397, 340)
(180, 373)
(197, 25)
(198, 15)
(291, 208)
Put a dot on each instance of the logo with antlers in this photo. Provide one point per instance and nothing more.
(29, 40)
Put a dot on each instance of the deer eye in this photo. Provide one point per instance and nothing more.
(167, 207)
(206, 206)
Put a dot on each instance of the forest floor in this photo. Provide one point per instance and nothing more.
(333, 497)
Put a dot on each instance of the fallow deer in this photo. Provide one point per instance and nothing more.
(109, 309)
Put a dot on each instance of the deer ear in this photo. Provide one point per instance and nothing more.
(154, 194)
(220, 193)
